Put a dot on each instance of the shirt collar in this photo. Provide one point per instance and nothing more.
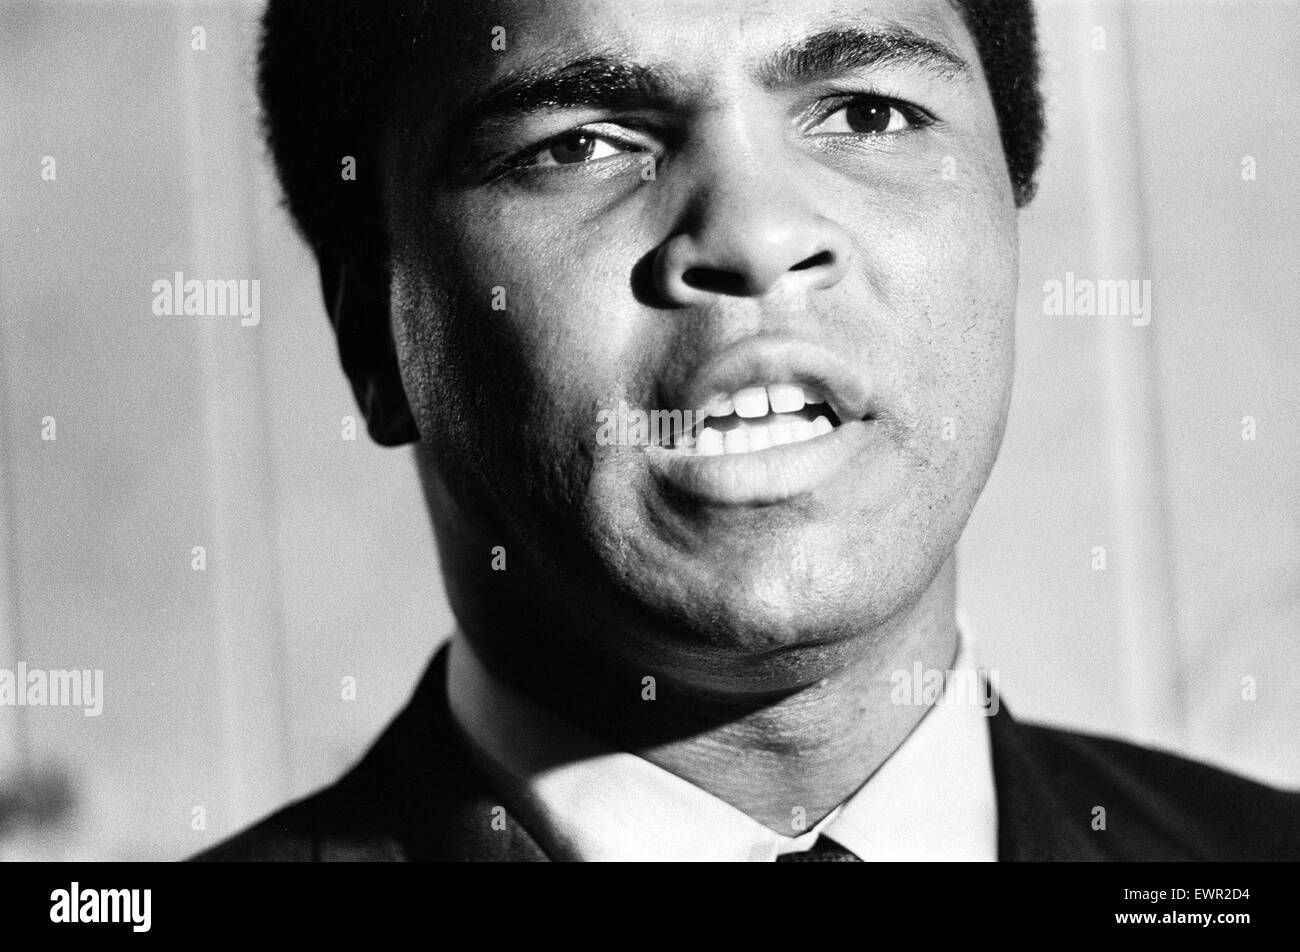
(932, 799)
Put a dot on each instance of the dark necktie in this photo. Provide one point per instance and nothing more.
(825, 850)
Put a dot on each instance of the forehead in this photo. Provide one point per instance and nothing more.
(691, 36)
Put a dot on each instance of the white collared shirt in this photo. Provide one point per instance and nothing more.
(932, 799)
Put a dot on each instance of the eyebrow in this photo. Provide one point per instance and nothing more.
(599, 80)
(609, 80)
(834, 52)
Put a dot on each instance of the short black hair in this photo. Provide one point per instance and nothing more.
(328, 71)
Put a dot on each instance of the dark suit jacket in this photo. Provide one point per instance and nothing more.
(417, 796)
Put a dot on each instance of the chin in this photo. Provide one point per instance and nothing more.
(753, 608)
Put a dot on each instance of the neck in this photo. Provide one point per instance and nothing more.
(809, 748)
(816, 747)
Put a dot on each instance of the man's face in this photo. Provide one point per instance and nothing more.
(683, 205)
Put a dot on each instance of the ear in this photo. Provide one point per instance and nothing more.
(356, 296)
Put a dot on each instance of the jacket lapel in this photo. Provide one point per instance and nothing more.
(437, 804)
(1035, 822)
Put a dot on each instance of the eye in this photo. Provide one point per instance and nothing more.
(870, 116)
(574, 148)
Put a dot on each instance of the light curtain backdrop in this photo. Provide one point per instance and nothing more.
(224, 688)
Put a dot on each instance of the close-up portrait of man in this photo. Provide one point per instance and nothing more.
(735, 210)
(685, 336)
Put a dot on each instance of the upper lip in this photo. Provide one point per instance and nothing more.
(765, 360)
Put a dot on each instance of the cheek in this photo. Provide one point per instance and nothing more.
(510, 319)
(559, 286)
(944, 275)
(563, 333)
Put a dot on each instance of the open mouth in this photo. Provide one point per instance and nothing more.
(778, 417)
(756, 418)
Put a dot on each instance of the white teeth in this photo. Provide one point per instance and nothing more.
(720, 407)
(780, 434)
(785, 397)
(752, 438)
(736, 441)
(777, 402)
(751, 402)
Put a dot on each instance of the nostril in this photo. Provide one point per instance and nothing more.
(816, 261)
(716, 280)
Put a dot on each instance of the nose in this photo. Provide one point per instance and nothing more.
(748, 234)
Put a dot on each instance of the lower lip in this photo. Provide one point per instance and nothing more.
(768, 476)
